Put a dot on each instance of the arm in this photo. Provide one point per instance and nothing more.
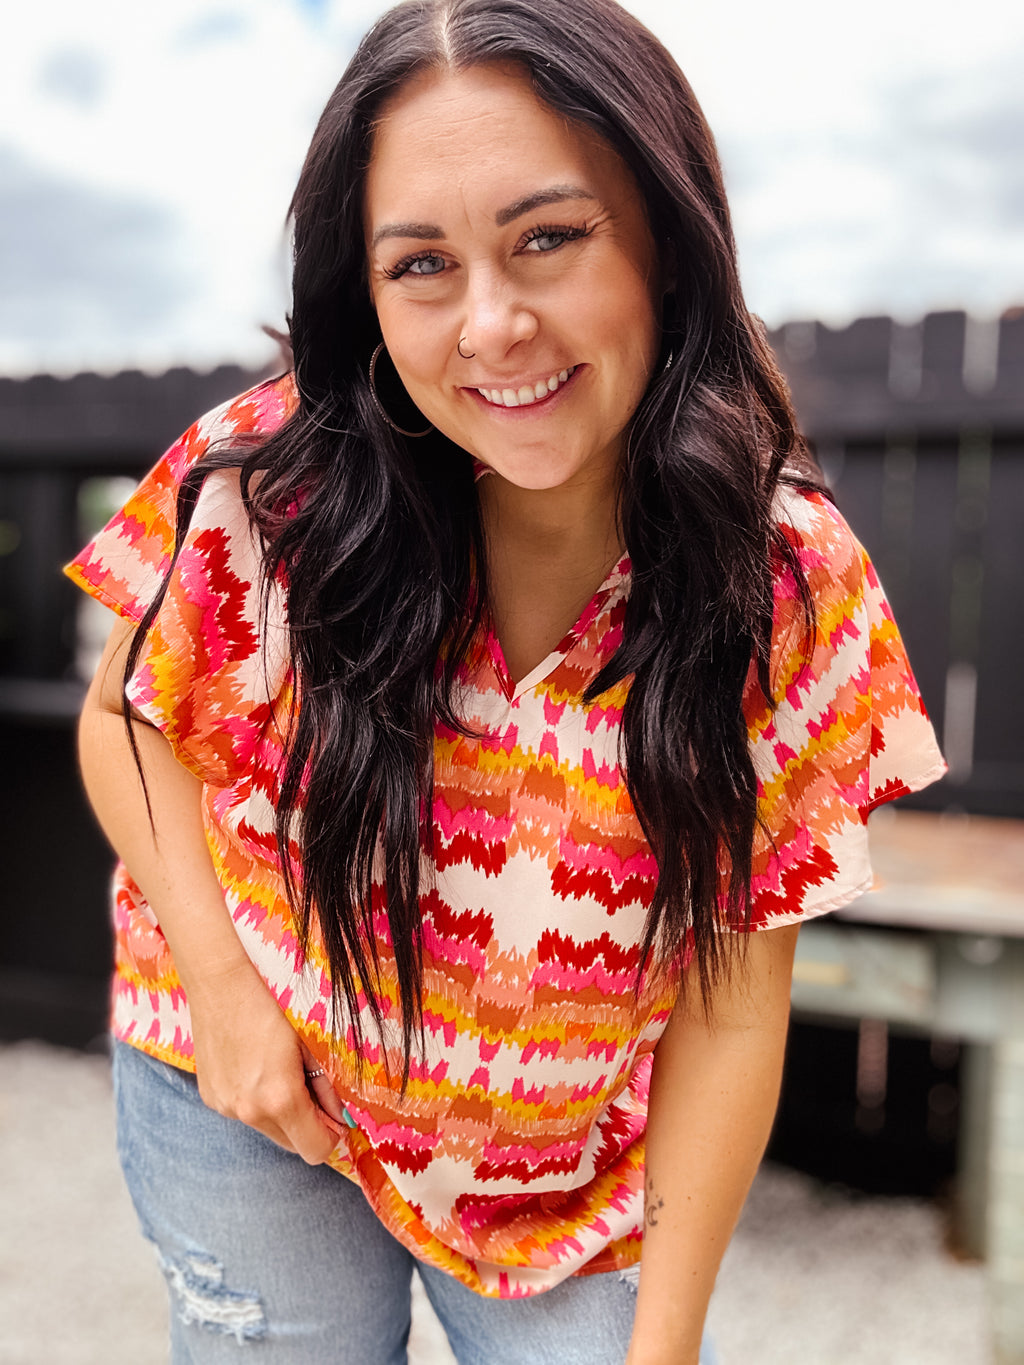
(249, 1060)
(714, 1090)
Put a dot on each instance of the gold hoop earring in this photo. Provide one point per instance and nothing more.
(380, 406)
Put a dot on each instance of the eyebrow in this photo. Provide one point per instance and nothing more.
(555, 194)
(421, 231)
(430, 232)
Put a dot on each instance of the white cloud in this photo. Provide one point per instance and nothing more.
(846, 134)
(202, 112)
(872, 155)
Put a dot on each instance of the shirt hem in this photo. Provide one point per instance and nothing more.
(100, 594)
(907, 787)
(160, 1052)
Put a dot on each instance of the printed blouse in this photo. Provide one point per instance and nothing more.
(515, 1158)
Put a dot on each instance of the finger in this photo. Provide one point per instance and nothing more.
(300, 1130)
(276, 1135)
(309, 1134)
(270, 1125)
(321, 1088)
(327, 1098)
(289, 1119)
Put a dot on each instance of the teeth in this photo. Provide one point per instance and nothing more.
(522, 398)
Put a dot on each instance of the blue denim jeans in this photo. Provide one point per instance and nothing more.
(261, 1251)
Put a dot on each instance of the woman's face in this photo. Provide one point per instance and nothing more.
(490, 218)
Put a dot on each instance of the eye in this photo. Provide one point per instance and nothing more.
(426, 263)
(544, 239)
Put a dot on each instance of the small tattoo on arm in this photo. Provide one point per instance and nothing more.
(652, 1203)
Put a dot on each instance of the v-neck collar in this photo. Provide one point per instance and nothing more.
(513, 690)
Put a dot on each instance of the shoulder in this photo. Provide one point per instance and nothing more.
(126, 562)
(256, 413)
(820, 563)
(821, 577)
(822, 544)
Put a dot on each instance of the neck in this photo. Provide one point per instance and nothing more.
(571, 526)
(547, 553)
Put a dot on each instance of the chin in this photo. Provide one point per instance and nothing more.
(535, 476)
(533, 484)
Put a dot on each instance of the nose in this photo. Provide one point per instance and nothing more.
(497, 315)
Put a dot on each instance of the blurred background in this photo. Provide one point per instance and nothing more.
(875, 168)
(147, 155)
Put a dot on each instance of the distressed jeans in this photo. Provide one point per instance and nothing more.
(266, 1256)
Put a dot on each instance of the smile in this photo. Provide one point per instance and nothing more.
(529, 393)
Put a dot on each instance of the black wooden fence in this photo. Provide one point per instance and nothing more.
(921, 433)
(57, 438)
(920, 430)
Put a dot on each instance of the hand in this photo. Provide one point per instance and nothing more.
(251, 1064)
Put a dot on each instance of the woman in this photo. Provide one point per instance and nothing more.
(483, 675)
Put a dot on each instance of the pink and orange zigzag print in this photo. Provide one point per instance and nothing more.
(516, 1157)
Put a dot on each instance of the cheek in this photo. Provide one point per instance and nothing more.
(626, 311)
(639, 341)
(413, 353)
(420, 356)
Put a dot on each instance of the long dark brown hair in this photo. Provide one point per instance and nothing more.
(378, 536)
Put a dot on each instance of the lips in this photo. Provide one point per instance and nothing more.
(527, 393)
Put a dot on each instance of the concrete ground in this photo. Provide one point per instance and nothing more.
(814, 1276)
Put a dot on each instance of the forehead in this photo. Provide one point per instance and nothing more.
(479, 136)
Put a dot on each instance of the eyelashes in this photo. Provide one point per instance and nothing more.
(566, 234)
(558, 235)
(405, 265)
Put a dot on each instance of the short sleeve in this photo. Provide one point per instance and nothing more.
(849, 730)
(214, 661)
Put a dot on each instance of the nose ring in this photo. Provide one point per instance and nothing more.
(462, 352)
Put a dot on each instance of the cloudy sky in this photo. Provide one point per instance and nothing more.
(874, 155)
